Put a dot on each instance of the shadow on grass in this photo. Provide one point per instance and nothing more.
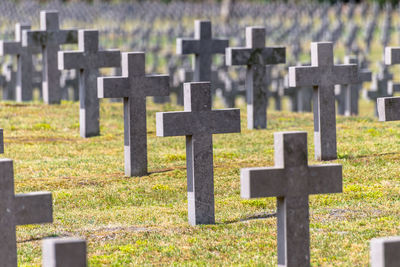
(259, 216)
(367, 156)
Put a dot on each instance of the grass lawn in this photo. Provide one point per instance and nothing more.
(131, 221)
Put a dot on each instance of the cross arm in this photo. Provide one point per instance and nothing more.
(9, 48)
(33, 38)
(262, 182)
(187, 46)
(392, 55)
(113, 87)
(157, 85)
(388, 108)
(365, 76)
(237, 56)
(108, 58)
(33, 208)
(67, 36)
(303, 76)
(323, 179)
(203, 122)
(219, 45)
(71, 60)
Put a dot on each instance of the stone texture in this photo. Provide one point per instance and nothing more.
(203, 47)
(24, 78)
(388, 108)
(1, 141)
(20, 209)
(50, 37)
(88, 59)
(198, 122)
(134, 86)
(291, 180)
(256, 56)
(10, 82)
(64, 252)
(385, 252)
(323, 74)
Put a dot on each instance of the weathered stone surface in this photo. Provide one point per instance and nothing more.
(10, 81)
(1, 141)
(198, 122)
(388, 108)
(88, 59)
(256, 56)
(291, 180)
(323, 74)
(20, 209)
(203, 46)
(64, 252)
(134, 86)
(385, 252)
(50, 37)
(24, 78)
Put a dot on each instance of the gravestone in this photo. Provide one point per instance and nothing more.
(20, 209)
(184, 76)
(134, 86)
(64, 252)
(50, 37)
(88, 59)
(24, 78)
(256, 56)
(380, 85)
(352, 91)
(385, 252)
(69, 80)
(10, 81)
(203, 46)
(388, 108)
(291, 180)
(323, 75)
(198, 122)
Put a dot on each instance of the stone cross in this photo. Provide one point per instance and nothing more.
(88, 59)
(20, 209)
(203, 46)
(323, 75)
(69, 80)
(385, 252)
(352, 91)
(50, 37)
(198, 122)
(380, 85)
(291, 180)
(10, 81)
(134, 86)
(184, 75)
(256, 56)
(23, 90)
(64, 252)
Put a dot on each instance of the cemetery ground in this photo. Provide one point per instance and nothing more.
(130, 221)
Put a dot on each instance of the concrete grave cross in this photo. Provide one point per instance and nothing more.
(24, 78)
(352, 91)
(256, 56)
(203, 46)
(64, 252)
(20, 209)
(323, 75)
(389, 107)
(50, 37)
(134, 86)
(198, 122)
(88, 59)
(381, 85)
(385, 252)
(10, 80)
(291, 180)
